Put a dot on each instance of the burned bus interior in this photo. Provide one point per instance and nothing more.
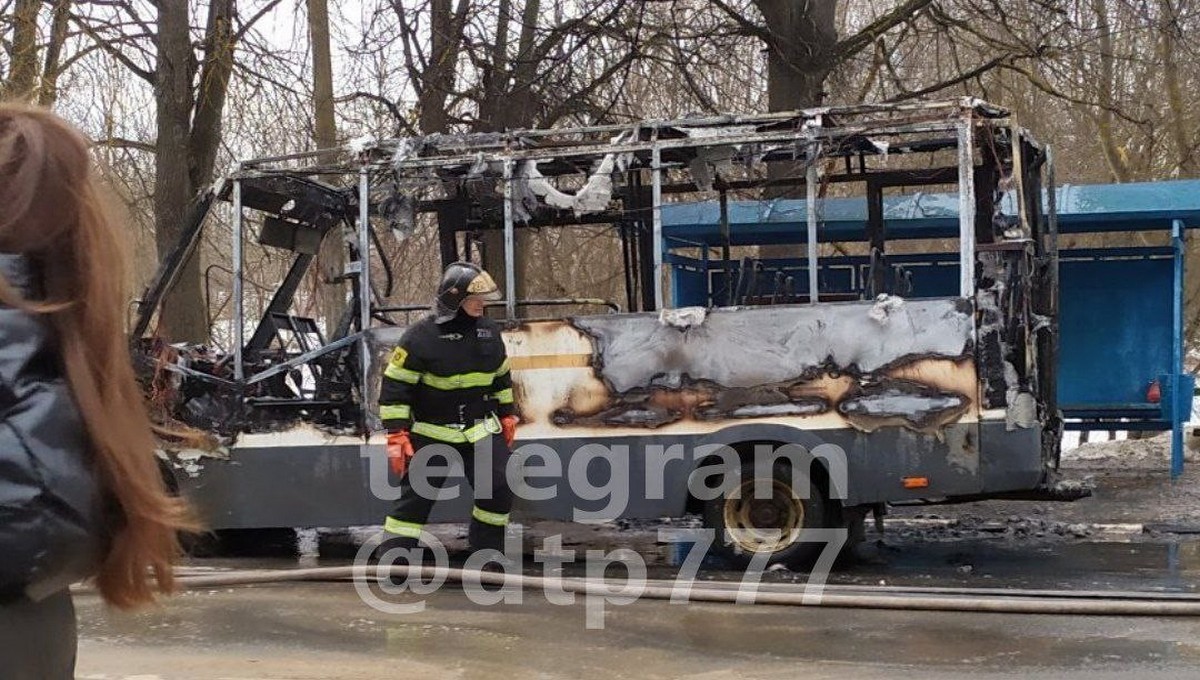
(644, 181)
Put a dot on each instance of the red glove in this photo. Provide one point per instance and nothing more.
(399, 451)
(508, 425)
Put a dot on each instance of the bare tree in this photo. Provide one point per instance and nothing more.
(482, 66)
(331, 299)
(1111, 83)
(23, 55)
(189, 125)
(51, 64)
(190, 86)
(32, 75)
(802, 42)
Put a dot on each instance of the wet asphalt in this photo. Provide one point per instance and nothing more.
(328, 630)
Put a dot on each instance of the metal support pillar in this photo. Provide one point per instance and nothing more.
(1177, 352)
(877, 238)
(725, 238)
(238, 303)
(449, 220)
(510, 255)
(656, 207)
(810, 184)
(1055, 294)
(364, 284)
(966, 205)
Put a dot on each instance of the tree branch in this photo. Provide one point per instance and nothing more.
(854, 44)
(415, 63)
(123, 143)
(241, 32)
(762, 32)
(112, 51)
(973, 73)
(561, 31)
(1040, 83)
(567, 105)
(401, 121)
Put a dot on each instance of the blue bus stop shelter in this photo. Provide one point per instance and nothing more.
(1121, 308)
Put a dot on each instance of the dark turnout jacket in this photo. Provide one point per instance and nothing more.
(50, 508)
(452, 373)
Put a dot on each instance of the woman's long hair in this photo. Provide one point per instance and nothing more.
(52, 212)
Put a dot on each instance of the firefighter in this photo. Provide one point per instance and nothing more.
(448, 383)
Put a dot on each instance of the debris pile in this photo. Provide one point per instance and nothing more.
(936, 528)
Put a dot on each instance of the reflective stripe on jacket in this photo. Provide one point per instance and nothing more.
(442, 380)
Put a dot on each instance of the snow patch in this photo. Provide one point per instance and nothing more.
(1152, 452)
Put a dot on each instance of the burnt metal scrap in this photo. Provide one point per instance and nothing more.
(203, 389)
(1008, 343)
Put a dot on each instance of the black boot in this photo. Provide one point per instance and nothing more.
(482, 536)
(490, 539)
(393, 542)
(405, 552)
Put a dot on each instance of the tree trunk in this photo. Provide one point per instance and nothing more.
(189, 135)
(510, 102)
(215, 73)
(495, 77)
(23, 67)
(518, 107)
(331, 299)
(1181, 132)
(48, 91)
(183, 317)
(1114, 156)
(446, 37)
(799, 52)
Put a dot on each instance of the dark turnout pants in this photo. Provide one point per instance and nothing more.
(492, 497)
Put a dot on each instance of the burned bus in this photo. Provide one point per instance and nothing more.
(818, 340)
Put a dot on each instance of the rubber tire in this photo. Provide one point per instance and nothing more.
(798, 556)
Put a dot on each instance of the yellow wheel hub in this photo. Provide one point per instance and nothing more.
(765, 524)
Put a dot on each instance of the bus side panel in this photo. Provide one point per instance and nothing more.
(306, 485)
(648, 476)
(605, 478)
(1012, 458)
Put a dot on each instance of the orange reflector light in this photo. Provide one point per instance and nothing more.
(915, 482)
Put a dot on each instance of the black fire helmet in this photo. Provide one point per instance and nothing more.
(460, 281)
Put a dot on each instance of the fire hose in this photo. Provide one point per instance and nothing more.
(992, 600)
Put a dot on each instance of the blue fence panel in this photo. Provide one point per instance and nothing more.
(688, 286)
(1116, 330)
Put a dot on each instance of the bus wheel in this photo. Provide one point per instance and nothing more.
(746, 526)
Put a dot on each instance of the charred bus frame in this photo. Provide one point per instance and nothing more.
(1007, 289)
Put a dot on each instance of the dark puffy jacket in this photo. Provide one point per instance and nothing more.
(49, 500)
